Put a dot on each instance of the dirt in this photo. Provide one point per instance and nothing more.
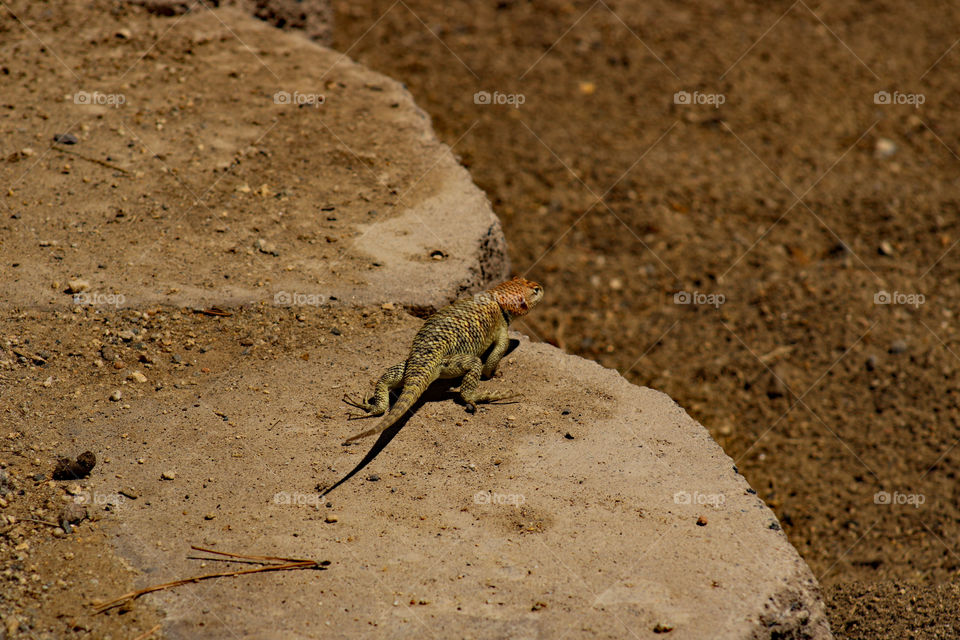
(613, 196)
(618, 199)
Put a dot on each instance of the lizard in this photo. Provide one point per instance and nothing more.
(452, 343)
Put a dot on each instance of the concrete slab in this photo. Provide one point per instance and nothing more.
(206, 170)
(592, 508)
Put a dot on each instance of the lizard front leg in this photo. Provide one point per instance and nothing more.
(500, 344)
(380, 402)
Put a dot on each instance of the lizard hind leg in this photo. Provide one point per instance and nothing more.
(472, 367)
(380, 402)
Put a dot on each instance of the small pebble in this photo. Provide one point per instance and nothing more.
(373, 478)
(885, 147)
(136, 376)
(67, 469)
(702, 521)
(65, 138)
(898, 346)
(72, 513)
(269, 248)
(116, 396)
(885, 249)
(168, 475)
(331, 518)
(77, 286)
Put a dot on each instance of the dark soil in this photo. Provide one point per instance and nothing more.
(786, 211)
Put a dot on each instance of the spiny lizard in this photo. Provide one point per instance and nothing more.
(450, 344)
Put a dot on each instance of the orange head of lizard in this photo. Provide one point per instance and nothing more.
(517, 296)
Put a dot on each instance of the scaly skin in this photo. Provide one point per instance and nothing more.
(451, 344)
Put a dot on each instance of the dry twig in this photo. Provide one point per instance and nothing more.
(102, 163)
(214, 311)
(287, 564)
(149, 632)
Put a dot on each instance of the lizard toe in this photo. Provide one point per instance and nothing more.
(353, 402)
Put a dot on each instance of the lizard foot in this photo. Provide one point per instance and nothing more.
(492, 398)
(359, 416)
(359, 404)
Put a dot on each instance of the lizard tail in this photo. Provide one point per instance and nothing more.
(413, 387)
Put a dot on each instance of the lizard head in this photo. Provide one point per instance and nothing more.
(517, 296)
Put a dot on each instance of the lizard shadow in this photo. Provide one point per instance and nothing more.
(439, 390)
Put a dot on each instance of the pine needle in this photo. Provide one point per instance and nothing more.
(286, 564)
